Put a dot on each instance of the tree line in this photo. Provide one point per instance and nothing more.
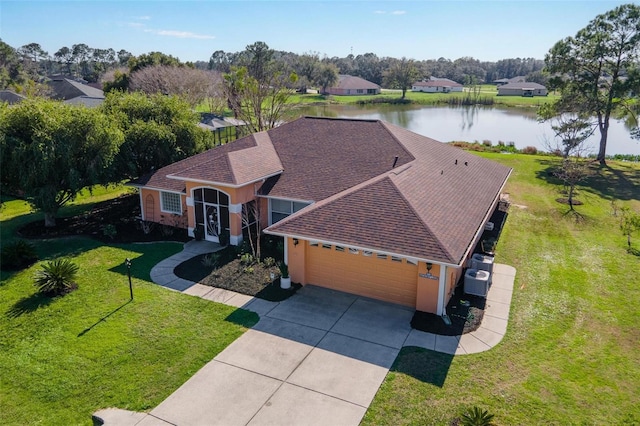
(90, 64)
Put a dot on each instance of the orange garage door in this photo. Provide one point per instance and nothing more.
(364, 273)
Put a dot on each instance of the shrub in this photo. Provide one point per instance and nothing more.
(211, 260)
(284, 270)
(486, 142)
(269, 262)
(531, 150)
(477, 417)
(17, 255)
(56, 277)
(247, 259)
(109, 231)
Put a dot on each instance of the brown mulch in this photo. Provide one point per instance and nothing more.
(465, 312)
(120, 213)
(232, 274)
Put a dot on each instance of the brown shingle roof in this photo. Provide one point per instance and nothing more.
(324, 156)
(213, 163)
(444, 204)
(427, 206)
(254, 158)
(375, 216)
(353, 82)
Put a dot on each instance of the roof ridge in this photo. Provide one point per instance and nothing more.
(385, 125)
(442, 246)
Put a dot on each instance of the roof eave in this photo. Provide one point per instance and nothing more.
(355, 246)
(225, 184)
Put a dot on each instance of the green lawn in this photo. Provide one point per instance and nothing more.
(571, 354)
(486, 91)
(62, 359)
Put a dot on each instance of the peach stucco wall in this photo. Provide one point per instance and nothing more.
(152, 212)
(427, 297)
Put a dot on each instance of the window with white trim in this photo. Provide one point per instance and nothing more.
(279, 209)
(170, 202)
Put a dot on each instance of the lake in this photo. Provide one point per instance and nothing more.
(475, 123)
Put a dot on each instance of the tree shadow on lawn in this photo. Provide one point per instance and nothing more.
(423, 364)
(621, 182)
(29, 304)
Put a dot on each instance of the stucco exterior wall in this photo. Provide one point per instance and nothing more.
(151, 210)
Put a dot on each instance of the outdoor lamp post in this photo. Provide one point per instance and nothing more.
(128, 263)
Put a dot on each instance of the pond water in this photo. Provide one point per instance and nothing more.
(475, 123)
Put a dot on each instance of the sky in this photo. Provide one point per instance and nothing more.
(193, 30)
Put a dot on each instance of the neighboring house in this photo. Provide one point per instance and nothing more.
(437, 85)
(11, 97)
(350, 85)
(527, 89)
(75, 92)
(364, 206)
(503, 81)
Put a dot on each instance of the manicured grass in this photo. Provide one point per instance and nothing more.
(570, 355)
(486, 91)
(63, 358)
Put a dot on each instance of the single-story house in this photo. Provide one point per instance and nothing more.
(351, 85)
(527, 89)
(516, 79)
(11, 97)
(75, 92)
(364, 206)
(436, 85)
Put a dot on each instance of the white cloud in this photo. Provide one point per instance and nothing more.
(379, 12)
(180, 34)
(398, 12)
(135, 25)
(144, 18)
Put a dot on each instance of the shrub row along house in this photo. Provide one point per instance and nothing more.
(364, 206)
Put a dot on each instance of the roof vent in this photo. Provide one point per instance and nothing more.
(456, 162)
(466, 164)
(395, 160)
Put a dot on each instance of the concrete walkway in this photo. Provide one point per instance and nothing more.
(318, 357)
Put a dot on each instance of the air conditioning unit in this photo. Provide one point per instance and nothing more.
(482, 262)
(488, 226)
(476, 282)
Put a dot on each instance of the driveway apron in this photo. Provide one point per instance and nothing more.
(317, 358)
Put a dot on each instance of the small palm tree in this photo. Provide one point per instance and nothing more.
(56, 277)
(477, 417)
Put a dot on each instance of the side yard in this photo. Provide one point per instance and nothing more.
(570, 355)
(63, 358)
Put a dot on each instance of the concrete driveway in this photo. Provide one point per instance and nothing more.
(317, 358)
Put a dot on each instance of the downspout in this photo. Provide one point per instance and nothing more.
(442, 284)
(286, 251)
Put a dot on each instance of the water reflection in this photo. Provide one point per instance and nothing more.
(473, 123)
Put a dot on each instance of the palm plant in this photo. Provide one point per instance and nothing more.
(477, 417)
(56, 277)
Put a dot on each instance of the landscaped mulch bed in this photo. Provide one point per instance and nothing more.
(232, 274)
(465, 312)
(119, 213)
